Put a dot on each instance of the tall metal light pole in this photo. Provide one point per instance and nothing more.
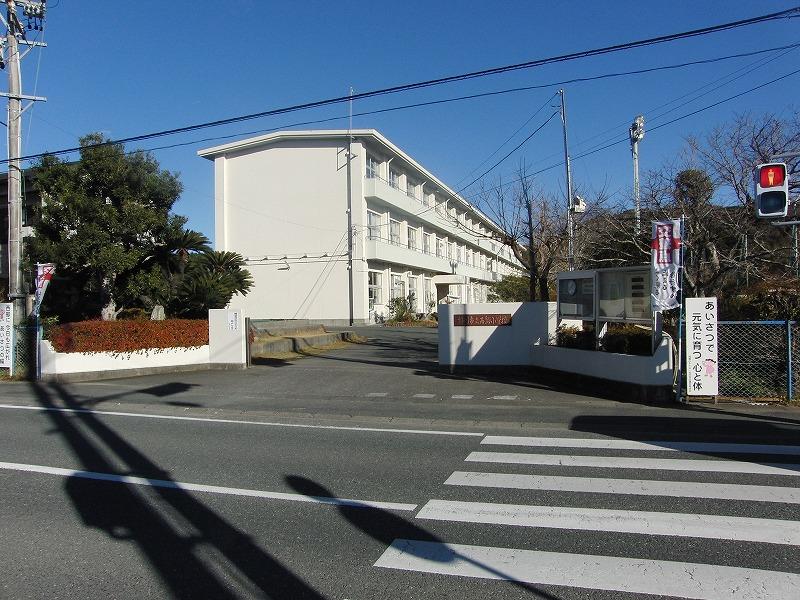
(33, 11)
(636, 133)
(570, 223)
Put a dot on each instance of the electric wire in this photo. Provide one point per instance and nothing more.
(716, 84)
(789, 13)
(625, 139)
(508, 139)
(35, 86)
(517, 147)
(420, 105)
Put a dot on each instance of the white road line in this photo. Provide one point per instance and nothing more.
(377, 394)
(632, 487)
(462, 396)
(619, 574)
(504, 397)
(197, 487)
(595, 444)
(695, 525)
(426, 396)
(617, 462)
(107, 413)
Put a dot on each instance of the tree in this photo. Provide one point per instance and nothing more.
(511, 288)
(106, 224)
(730, 153)
(99, 220)
(534, 226)
(211, 279)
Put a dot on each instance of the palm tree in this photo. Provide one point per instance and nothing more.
(210, 280)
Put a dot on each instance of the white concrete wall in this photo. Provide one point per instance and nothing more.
(656, 370)
(531, 322)
(526, 342)
(227, 336)
(289, 199)
(227, 345)
(63, 363)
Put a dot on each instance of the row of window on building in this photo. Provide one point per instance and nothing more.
(401, 233)
(404, 183)
(418, 289)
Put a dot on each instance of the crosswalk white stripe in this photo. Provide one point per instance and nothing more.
(731, 448)
(770, 531)
(636, 575)
(636, 487)
(617, 462)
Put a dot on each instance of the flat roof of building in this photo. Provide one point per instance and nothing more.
(264, 141)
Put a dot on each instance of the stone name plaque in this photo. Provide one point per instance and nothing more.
(481, 320)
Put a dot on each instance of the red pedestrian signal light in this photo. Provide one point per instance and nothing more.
(772, 191)
(772, 175)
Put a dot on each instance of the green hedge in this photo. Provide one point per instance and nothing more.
(128, 336)
(572, 337)
(627, 339)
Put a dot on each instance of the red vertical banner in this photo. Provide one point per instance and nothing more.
(665, 266)
(44, 273)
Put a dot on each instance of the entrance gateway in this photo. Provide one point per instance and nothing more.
(451, 289)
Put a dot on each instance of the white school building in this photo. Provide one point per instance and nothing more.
(286, 201)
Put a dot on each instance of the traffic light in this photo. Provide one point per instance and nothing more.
(772, 191)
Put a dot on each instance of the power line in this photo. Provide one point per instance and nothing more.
(746, 69)
(517, 147)
(512, 136)
(789, 13)
(626, 138)
(432, 103)
(715, 84)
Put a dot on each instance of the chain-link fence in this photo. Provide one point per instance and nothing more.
(25, 338)
(754, 358)
(25, 360)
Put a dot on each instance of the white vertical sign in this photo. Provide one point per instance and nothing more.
(6, 334)
(233, 320)
(702, 366)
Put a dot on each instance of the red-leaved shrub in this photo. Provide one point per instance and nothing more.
(128, 336)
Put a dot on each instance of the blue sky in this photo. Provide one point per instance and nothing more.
(127, 68)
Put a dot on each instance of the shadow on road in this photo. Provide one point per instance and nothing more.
(387, 527)
(729, 427)
(191, 548)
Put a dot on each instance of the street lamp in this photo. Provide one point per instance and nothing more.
(636, 133)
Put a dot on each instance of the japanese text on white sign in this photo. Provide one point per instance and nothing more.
(6, 334)
(702, 366)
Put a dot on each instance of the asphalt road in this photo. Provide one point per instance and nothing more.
(367, 473)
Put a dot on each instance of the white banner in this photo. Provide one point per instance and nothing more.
(44, 273)
(702, 366)
(6, 334)
(665, 264)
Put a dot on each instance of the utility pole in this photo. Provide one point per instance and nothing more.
(33, 11)
(570, 223)
(350, 211)
(636, 133)
(531, 253)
